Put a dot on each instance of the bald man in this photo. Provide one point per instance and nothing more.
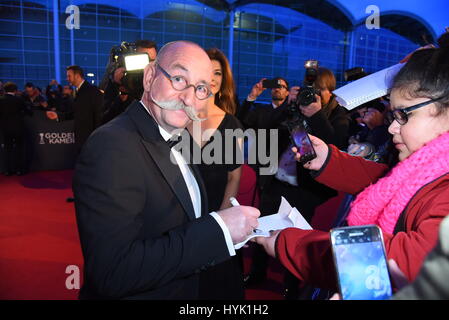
(143, 220)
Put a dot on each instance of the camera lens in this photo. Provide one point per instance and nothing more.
(306, 96)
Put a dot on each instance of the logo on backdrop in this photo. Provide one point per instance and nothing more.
(56, 138)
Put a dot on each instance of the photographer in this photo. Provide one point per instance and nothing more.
(116, 71)
(325, 119)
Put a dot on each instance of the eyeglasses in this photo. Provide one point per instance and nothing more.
(401, 115)
(179, 83)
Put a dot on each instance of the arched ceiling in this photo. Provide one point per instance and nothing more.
(416, 20)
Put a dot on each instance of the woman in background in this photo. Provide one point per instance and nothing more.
(221, 178)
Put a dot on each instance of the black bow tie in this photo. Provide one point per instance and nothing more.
(174, 140)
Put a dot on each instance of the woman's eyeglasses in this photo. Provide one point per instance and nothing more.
(401, 115)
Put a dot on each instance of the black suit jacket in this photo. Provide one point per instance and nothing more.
(137, 226)
(12, 111)
(87, 113)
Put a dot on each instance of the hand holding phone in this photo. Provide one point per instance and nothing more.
(360, 263)
(321, 150)
(301, 141)
(271, 84)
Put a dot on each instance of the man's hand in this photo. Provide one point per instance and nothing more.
(268, 243)
(293, 94)
(241, 221)
(52, 115)
(256, 90)
(312, 108)
(321, 150)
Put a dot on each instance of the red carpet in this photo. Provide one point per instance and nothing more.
(39, 238)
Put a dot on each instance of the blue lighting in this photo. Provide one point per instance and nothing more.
(267, 40)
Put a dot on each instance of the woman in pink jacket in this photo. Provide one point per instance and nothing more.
(409, 202)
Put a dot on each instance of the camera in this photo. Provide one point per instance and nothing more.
(306, 94)
(126, 56)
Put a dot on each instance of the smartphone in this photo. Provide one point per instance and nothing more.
(360, 262)
(271, 84)
(301, 140)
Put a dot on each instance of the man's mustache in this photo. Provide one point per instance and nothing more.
(178, 105)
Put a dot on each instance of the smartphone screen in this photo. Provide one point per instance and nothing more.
(361, 264)
(301, 141)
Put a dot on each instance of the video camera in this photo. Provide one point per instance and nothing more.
(126, 56)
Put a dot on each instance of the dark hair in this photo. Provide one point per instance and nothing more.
(326, 79)
(426, 75)
(10, 87)
(225, 97)
(146, 44)
(76, 70)
(286, 82)
(29, 85)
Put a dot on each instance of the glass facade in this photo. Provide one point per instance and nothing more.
(266, 42)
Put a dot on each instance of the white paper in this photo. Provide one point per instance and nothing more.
(287, 217)
(367, 88)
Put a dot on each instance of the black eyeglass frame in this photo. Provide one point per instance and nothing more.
(195, 88)
(400, 114)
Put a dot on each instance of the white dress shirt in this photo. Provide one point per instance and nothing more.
(194, 190)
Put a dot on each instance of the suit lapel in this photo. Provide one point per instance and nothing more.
(159, 151)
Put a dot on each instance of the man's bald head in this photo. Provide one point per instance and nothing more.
(170, 50)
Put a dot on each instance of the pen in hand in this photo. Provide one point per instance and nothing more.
(235, 203)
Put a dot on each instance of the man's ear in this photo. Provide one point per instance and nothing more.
(148, 75)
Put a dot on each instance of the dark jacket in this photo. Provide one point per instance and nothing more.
(139, 235)
(87, 112)
(12, 111)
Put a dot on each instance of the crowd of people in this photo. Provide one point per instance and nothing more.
(148, 228)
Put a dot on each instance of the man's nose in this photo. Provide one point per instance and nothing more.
(187, 96)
